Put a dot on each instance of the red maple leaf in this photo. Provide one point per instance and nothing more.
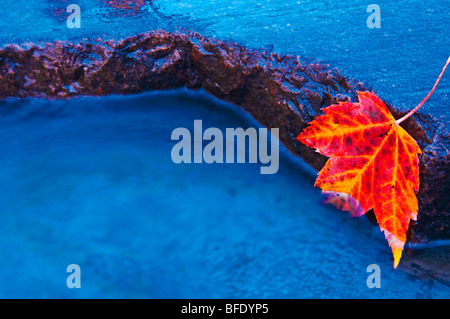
(373, 163)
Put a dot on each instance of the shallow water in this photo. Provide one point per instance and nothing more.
(90, 181)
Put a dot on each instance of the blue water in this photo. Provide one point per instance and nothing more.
(400, 60)
(90, 181)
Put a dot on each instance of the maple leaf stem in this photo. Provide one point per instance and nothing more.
(397, 122)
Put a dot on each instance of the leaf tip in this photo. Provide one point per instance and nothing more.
(396, 245)
(397, 253)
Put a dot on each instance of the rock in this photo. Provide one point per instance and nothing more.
(278, 91)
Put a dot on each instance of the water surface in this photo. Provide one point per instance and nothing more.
(90, 181)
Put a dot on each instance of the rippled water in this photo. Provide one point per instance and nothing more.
(90, 181)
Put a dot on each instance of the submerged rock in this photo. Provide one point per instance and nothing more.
(279, 91)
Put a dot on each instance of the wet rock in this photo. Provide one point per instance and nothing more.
(429, 264)
(279, 91)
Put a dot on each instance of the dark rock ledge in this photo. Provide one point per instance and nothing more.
(278, 91)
